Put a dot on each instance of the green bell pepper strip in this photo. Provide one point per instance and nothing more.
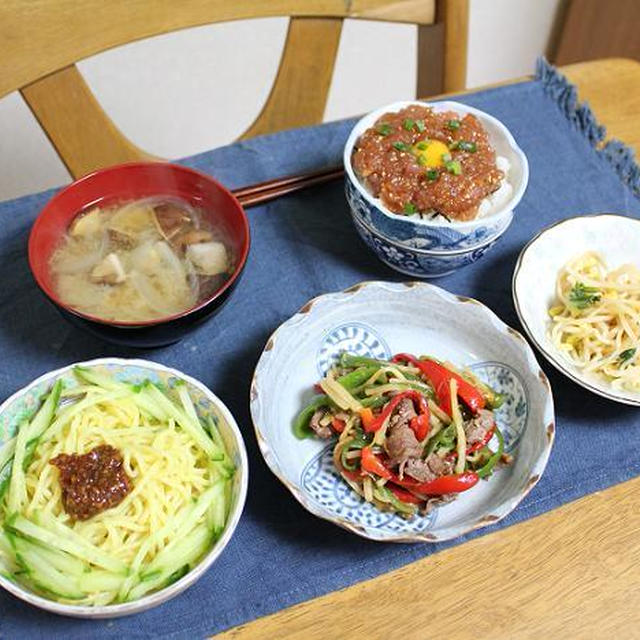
(486, 470)
(348, 360)
(301, 428)
(358, 377)
(444, 437)
(356, 443)
(383, 494)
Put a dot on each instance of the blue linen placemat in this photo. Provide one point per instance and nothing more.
(305, 245)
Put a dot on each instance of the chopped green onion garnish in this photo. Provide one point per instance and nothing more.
(409, 207)
(453, 124)
(408, 124)
(421, 160)
(422, 145)
(384, 129)
(454, 145)
(446, 157)
(432, 175)
(420, 126)
(582, 296)
(401, 146)
(467, 146)
(453, 166)
(627, 355)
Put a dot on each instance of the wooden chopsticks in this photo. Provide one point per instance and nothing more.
(255, 194)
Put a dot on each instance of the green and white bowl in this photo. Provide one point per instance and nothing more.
(23, 403)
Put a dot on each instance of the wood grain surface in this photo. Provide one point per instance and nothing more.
(571, 573)
(42, 41)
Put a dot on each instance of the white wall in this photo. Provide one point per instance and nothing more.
(182, 93)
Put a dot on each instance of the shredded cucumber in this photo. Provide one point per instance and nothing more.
(43, 573)
(52, 558)
(184, 554)
(67, 540)
(17, 488)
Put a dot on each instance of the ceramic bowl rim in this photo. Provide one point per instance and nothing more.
(452, 105)
(505, 508)
(159, 597)
(552, 358)
(216, 295)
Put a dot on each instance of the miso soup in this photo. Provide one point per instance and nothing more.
(140, 261)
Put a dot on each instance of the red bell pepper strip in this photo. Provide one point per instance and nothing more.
(476, 445)
(367, 417)
(403, 495)
(440, 378)
(338, 425)
(371, 463)
(354, 476)
(456, 483)
(420, 427)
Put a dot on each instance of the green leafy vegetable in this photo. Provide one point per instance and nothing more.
(409, 207)
(467, 146)
(453, 124)
(454, 167)
(420, 126)
(627, 355)
(582, 296)
(432, 174)
(408, 124)
(401, 146)
(422, 145)
(384, 129)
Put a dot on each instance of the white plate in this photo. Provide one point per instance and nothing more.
(615, 237)
(379, 319)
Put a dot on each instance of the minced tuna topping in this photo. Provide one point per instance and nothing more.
(421, 161)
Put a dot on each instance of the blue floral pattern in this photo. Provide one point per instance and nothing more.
(512, 415)
(416, 263)
(354, 337)
(413, 235)
(323, 484)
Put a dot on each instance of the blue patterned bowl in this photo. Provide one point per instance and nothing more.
(378, 319)
(433, 247)
(23, 403)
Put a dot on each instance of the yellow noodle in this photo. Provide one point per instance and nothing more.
(602, 337)
(166, 468)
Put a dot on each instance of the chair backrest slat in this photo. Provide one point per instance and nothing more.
(42, 36)
(81, 132)
(43, 39)
(301, 87)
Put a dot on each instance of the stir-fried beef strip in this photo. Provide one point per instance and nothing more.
(320, 430)
(477, 428)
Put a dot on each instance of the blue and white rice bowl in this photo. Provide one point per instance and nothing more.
(378, 319)
(430, 247)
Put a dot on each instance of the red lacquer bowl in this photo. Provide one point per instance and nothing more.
(124, 183)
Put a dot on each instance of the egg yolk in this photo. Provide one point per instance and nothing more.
(430, 152)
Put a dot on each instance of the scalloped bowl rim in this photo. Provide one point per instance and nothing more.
(503, 510)
(440, 105)
(174, 589)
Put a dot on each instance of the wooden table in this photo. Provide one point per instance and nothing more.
(571, 573)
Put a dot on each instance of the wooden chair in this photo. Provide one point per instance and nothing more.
(42, 39)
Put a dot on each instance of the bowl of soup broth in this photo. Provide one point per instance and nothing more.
(139, 254)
